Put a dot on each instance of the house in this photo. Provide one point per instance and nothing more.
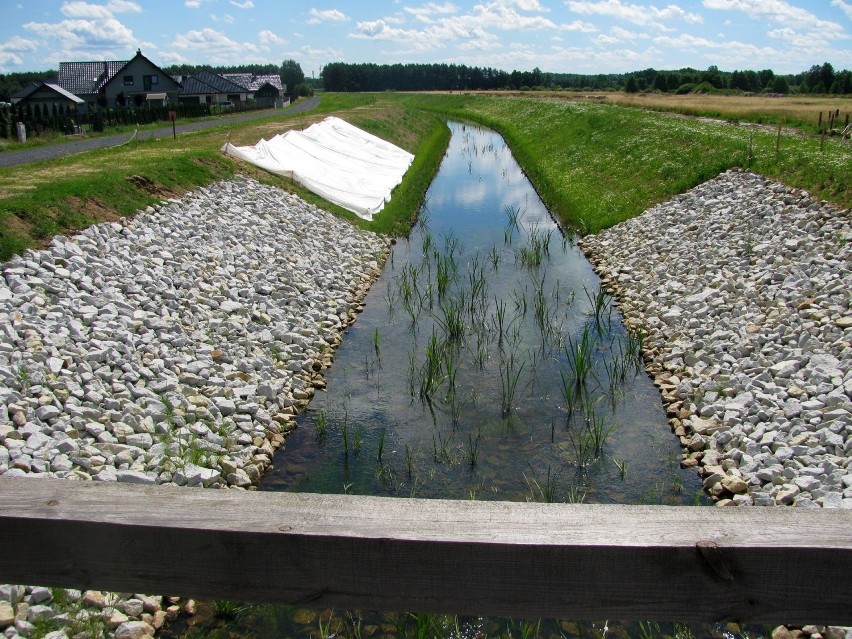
(206, 87)
(266, 90)
(49, 98)
(136, 82)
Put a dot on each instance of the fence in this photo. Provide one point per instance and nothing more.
(41, 118)
(767, 565)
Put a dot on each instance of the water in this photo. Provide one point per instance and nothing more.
(485, 243)
(460, 433)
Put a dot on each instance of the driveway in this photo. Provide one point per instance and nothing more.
(14, 158)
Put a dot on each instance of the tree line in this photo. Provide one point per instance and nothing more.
(344, 76)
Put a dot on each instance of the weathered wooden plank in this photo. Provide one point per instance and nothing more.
(498, 558)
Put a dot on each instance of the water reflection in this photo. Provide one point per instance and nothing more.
(487, 364)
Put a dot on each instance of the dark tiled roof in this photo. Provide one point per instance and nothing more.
(254, 82)
(220, 84)
(193, 86)
(243, 79)
(81, 78)
(23, 92)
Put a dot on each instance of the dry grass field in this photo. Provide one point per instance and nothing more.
(791, 111)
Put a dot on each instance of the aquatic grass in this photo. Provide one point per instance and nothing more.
(494, 257)
(541, 490)
(451, 318)
(358, 439)
(510, 374)
(430, 372)
(321, 425)
(473, 448)
(381, 447)
(523, 629)
(445, 274)
(589, 438)
(514, 215)
(427, 245)
(579, 356)
(442, 448)
(452, 247)
(634, 347)
(536, 248)
(575, 495)
(601, 307)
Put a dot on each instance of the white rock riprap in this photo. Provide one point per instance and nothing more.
(743, 287)
(176, 347)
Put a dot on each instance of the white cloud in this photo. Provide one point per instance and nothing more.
(171, 57)
(268, 37)
(224, 19)
(431, 9)
(634, 13)
(248, 4)
(327, 15)
(192, 4)
(209, 45)
(19, 44)
(85, 34)
(10, 50)
(617, 35)
(439, 29)
(779, 11)
(79, 9)
(845, 7)
(578, 25)
(527, 5)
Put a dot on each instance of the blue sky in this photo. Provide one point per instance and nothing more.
(576, 36)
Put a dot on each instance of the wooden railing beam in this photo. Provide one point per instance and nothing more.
(768, 565)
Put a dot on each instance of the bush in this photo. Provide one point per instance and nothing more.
(683, 89)
(704, 87)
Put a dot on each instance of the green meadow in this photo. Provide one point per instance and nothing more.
(594, 164)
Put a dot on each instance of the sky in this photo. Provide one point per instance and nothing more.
(562, 36)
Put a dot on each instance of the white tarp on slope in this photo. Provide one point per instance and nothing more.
(335, 160)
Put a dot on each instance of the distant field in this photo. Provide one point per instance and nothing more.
(595, 163)
(800, 112)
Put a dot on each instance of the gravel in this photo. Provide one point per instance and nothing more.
(742, 287)
(174, 348)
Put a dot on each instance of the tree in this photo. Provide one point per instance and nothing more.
(779, 85)
(291, 75)
(631, 86)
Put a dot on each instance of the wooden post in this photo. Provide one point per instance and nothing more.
(778, 144)
(567, 561)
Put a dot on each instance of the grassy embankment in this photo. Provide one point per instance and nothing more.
(42, 199)
(594, 164)
(598, 164)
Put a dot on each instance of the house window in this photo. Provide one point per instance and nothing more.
(128, 80)
(148, 80)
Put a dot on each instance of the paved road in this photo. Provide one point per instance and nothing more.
(14, 158)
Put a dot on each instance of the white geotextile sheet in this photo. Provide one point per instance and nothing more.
(335, 160)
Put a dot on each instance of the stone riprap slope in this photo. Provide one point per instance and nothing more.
(743, 288)
(173, 348)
